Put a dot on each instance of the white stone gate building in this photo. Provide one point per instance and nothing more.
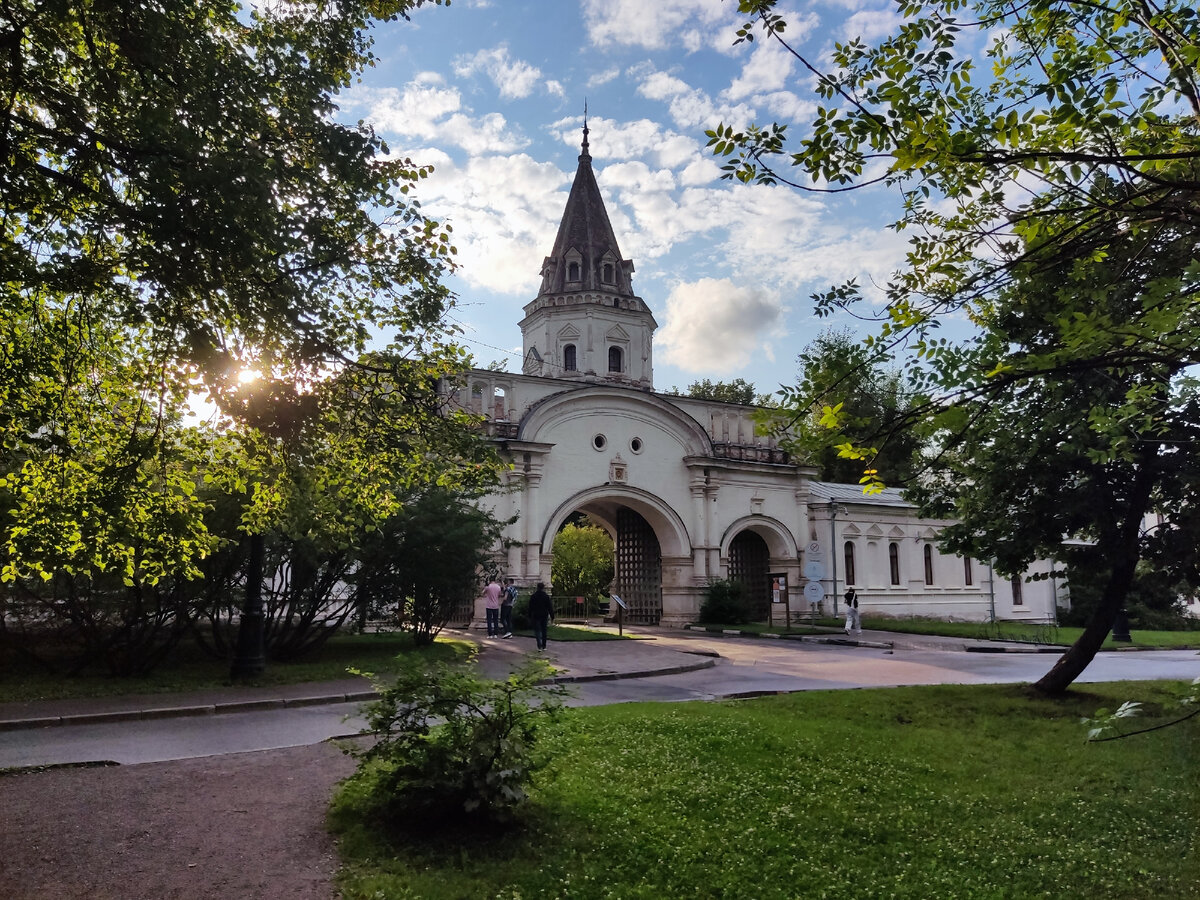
(686, 488)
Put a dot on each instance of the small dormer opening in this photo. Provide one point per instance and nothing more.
(607, 276)
(616, 301)
(615, 361)
(569, 361)
(572, 271)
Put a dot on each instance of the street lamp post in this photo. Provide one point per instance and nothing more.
(834, 509)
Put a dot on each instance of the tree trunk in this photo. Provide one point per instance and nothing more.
(1124, 547)
(1080, 654)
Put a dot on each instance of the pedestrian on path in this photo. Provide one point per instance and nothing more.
(507, 599)
(491, 607)
(853, 620)
(541, 612)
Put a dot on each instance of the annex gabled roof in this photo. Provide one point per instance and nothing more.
(585, 237)
(853, 493)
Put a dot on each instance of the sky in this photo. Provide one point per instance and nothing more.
(492, 93)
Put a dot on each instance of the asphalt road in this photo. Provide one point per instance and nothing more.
(747, 668)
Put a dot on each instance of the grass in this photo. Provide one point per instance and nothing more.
(190, 669)
(929, 792)
(1061, 635)
(1019, 631)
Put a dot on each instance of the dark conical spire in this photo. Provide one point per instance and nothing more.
(584, 151)
(585, 255)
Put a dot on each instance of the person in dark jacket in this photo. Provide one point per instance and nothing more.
(541, 612)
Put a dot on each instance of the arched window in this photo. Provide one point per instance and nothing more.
(615, 362)
(928, 564)
(608, 273)
(569, 364)
(1018, 591)
(851, 578)
(968, 576)
(573, 271)
(894, 561)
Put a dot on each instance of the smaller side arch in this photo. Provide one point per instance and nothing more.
(780, 541)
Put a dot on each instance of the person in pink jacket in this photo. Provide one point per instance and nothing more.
(491, 607)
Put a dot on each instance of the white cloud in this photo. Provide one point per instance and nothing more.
(505, 211)
(426, 110)
(713, 325)
(604, 77)
(689, 107)
(665, 23)
(768, 69)
(871, 24)
(514, 78)
(637, 139)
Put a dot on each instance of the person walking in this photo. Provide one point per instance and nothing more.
(541, 612)
(507, 599)
(853, 620)
(491, 606)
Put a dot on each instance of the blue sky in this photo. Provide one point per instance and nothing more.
(491, 93)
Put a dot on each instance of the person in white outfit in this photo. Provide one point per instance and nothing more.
(853, 621)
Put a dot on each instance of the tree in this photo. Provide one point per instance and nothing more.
(1056, 204)
(737, 391)
(178, 165)
(871, 407)
(583, 560)
(422, 564)
(181, 207)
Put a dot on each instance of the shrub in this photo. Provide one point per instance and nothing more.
(452, 747)
(725, 603)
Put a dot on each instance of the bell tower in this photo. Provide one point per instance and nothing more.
(586, 323)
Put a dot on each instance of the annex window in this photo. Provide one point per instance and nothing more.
(968, 576)
(894, 561)
(1018, 590)
(615, 360)
(573, 271)
(928, 564)
(848, 553)
(569, 362)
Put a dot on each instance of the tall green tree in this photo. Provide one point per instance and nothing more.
(737, 391)
(583, 560)
(1055, 201)
(870, 406)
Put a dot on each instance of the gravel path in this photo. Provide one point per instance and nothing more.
(245, 825)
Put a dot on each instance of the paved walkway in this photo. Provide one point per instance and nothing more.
(576, 661)
(656, 651)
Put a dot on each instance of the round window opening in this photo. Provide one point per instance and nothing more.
(636, 445)
(599, 442)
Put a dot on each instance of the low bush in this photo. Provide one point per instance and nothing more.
(450, 747)
(724, 603)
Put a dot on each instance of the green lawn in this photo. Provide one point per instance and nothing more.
(190, 669)
(1003, 631)
(928, 792)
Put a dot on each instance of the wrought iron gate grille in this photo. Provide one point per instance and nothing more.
(749, 563)
(639, 568)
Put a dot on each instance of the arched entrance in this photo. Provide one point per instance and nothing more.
(639, 568)
(650, 544)
(750, 563)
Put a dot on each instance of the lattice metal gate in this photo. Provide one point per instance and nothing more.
(639, 568)
(750, 563)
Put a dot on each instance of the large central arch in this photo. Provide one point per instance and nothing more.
(653, 550)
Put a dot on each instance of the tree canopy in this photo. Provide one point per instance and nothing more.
(1054, 200)
(184, 215)
(737, 391)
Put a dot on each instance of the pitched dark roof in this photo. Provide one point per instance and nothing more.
(586, 231)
